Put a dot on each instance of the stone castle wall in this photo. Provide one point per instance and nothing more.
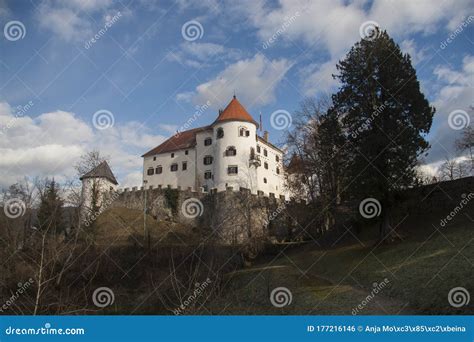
(231, 216)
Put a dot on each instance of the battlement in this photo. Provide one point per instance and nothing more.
(202, 192)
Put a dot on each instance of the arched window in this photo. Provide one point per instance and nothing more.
(230, 151)
(243, 132)
(220, 133)
(207, 160)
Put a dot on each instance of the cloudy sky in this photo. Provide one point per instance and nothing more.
(121, 76)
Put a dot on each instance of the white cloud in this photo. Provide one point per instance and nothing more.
(456, 93)
(417, 55)
(199, 55)
(333, 25)
(254, 80)
(70, 20)
(51, 143)
(317, 78)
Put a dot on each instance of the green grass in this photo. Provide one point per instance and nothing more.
(421, 269)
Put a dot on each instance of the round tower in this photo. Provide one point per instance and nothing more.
(235, 136)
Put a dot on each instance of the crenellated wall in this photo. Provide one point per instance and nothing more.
(230, 216)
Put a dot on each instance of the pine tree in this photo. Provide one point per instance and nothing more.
(50, 209)
(385, 118)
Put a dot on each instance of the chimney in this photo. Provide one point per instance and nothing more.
(265, 136)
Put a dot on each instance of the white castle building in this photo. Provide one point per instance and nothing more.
(227, 153)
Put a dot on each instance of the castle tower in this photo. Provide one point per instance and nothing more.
(235, 134)
(95, 183)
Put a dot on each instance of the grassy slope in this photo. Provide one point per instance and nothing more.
(421, 270)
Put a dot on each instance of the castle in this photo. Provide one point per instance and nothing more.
(228, 153)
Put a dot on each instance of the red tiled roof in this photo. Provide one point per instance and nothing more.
(187, 139)
(179, 141)
(235, 112)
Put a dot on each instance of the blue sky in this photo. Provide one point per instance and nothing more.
(150, 76)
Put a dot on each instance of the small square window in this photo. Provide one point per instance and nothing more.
(265, 165)
(207, 175)
(277, 158)
(174, 167)
(207, 141)
(172, 155)
(207, 160)
(154, 158)
(159, 169)
(150, 171)
(278, 170)
(186, 152)
(265, 180)
(232, 170)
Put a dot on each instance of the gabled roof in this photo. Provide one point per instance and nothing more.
(103, 171)
(235, 112)
(179, 141)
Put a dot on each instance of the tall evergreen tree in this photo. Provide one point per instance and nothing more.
(50, 209)
(385, 118)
